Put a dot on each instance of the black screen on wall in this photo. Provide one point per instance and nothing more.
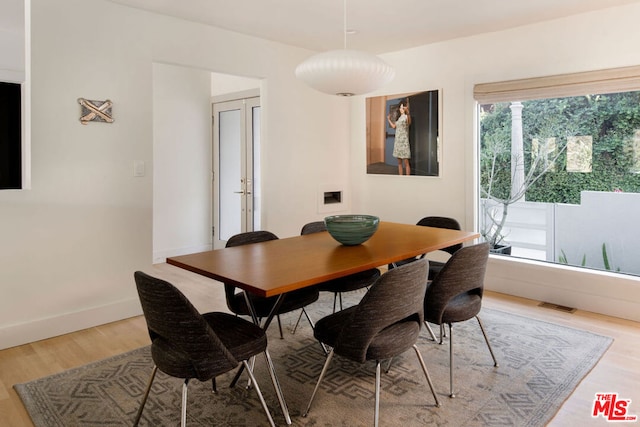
(10, 136)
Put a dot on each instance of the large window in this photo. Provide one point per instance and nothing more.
(560, 174)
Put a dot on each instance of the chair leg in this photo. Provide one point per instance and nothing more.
(264, 404)
(324, 370)
(386, 371)
(214, 386)
(183, 416)
(433, 336)
(335, 298)
(376, 411)
(295, 328)
(252, 365)
(495, 361)
(313, 327)
(306, 314)
(237, 376)
(146, 395)
(280, 328)
(443, 333)
(340, 296)
(276, 386)
(451, 393)
(426, 374)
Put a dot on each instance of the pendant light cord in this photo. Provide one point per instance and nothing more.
(345, 24)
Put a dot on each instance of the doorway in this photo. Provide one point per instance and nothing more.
(236, 154)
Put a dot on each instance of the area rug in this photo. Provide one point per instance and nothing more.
(540, 365)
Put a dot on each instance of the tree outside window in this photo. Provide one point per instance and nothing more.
(571, 148)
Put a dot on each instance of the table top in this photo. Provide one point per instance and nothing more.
(277, 266)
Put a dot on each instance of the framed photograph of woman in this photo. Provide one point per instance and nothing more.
(403, 134)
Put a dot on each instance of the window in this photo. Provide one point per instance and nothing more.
(560, 168)
(10, 136)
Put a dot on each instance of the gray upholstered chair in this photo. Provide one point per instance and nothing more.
(455, 295)
(186, 344)
(353, 282)
(291, 301)
(384, 324)
(438, 222)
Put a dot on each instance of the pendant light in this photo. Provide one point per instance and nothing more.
(345, 72)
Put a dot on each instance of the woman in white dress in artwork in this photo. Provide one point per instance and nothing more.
(401, 149)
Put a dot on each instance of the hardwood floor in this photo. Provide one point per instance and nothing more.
(617, 372)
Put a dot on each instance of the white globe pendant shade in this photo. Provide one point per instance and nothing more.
(345, 72)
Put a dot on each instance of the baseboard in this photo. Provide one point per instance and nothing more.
(14, 335)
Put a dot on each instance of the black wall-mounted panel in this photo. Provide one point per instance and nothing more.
(10, 136)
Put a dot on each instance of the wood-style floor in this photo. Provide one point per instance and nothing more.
(618, 371)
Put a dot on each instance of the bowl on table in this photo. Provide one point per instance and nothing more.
(351, 230)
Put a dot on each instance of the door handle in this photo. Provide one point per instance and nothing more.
(238, 192)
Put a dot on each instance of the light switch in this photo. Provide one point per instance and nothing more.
(138, 168)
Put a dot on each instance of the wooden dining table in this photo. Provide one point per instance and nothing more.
(278, 266)
(275, 267)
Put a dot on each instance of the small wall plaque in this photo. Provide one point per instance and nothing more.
(95, 111)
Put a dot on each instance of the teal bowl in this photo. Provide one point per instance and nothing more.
(351, 230)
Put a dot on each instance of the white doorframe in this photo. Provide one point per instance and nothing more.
(235, 184)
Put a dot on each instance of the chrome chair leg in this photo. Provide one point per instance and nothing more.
(495, 361)
(183, 415)
(146, 395)
(376, 411)
(276, 386)
(451, 393)
(295, 328)
(252, 365)
(426, 374)
(386, 371)
(313, 327)
(315, 390)
(306, 314)
(264, 404)
(433, 336)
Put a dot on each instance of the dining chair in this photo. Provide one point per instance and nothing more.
(352, 282)
(263, 307)
(186, 344)
(455, 295)
(384, 324)
(437, 222)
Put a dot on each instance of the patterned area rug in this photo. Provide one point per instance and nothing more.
(540, 365)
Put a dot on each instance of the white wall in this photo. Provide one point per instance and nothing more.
(182, 161)
(69, 246)
(223, 84)
(590, 41)
(12, 41)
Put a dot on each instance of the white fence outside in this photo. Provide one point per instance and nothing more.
(549, 231)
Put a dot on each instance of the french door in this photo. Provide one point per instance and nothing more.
(236, 136)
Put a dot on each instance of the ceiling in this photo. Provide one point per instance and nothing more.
(381, 26)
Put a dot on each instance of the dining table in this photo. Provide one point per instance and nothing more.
(278, 266)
